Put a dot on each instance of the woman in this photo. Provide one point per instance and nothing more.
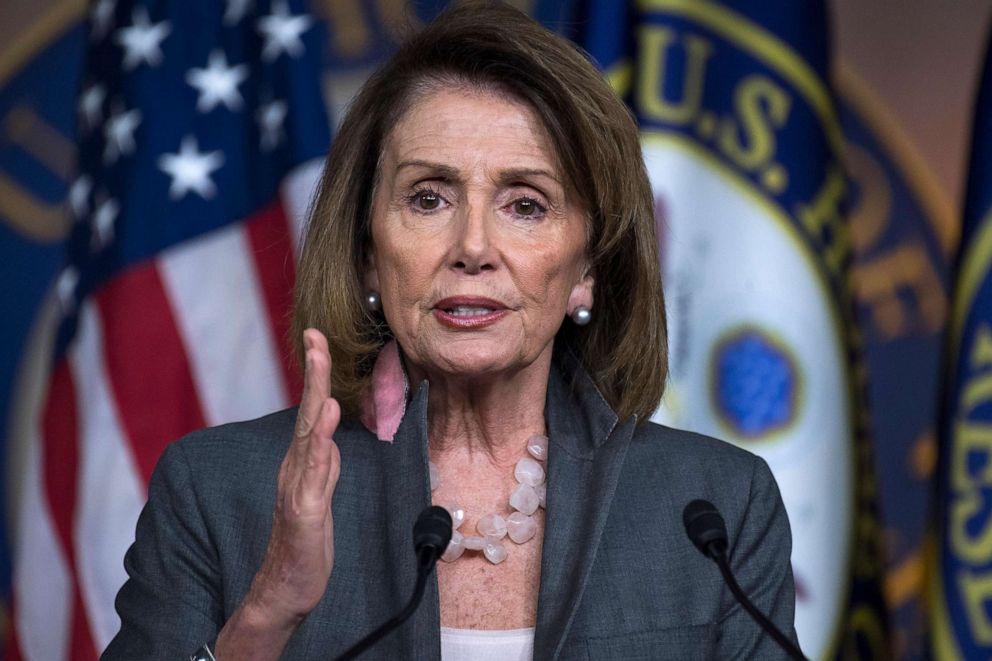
(479, 288)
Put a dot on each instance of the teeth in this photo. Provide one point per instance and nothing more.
(465, 311)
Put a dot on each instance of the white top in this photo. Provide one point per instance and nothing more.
(487, 645)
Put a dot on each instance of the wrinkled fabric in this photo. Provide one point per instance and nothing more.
(385, 402)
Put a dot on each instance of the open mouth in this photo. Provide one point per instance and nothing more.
(467, 311)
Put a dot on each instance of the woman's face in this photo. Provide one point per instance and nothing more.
(477, 252)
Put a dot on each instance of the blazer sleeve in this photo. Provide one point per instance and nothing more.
(171, 602)
(761, 561)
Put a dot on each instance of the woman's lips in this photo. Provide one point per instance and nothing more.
(469, 312)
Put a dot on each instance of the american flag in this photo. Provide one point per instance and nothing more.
(201, 125)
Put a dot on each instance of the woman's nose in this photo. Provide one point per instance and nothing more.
(472, 250)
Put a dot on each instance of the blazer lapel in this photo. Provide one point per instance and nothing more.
(407, 494)
(584, 462)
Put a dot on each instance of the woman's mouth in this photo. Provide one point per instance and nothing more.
(469, 313)
(465, 311)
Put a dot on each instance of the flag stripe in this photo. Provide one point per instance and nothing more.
(271, 247)
(59, 429)
(59, 432)
(102, 536)
(83, 648)
(42, 582)
(149, 372)
(11, 646)
(212, 280)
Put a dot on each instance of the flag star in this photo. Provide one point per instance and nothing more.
(282, 32)
(142, 41)
(218, 83)
(65, 288)
(190, 170)
(103, 223)
(101, 16)
(79, 194)
(118, 133)
(91, 104)
(270, 117)
(235, 11)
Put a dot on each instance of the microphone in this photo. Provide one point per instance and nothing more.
(705, 527)
(431, 534)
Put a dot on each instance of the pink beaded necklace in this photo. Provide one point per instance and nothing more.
(520, 525)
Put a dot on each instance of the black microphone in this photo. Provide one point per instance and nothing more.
(706, 529)
(431, 534)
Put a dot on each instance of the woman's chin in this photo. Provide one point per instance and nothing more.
(478, 367)
(477, 363)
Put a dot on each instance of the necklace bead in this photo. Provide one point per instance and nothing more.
(519, 525)
(473, 543)
(457, 515)
(494, 552)
(492, 527)
(525, 499)
(529, 471)
(537, 445)
(455, 547)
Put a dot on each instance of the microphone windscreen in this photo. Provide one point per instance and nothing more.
(705, 527)
(433, 528)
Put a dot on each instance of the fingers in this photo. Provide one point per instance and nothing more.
(314, 339)
(316, 381)
(312, 465)
(313, 455)
(333, 475)
(323, 460)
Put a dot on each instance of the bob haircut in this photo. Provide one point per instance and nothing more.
(495, 47)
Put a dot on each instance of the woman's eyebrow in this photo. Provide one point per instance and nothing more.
(510, 175)
(442, 170)
(516, 174)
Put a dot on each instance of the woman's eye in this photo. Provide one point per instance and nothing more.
(527, 208)
(427, 200)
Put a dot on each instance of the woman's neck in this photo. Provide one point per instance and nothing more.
(493, 415)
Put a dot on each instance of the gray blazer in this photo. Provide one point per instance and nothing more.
(619, 578)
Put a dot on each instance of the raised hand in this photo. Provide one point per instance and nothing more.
(300, 554)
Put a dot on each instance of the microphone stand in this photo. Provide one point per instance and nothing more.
(425, 563)
(721, 561)
(707, 531)
(431, 534)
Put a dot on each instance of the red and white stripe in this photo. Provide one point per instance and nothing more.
(110, 488)
(194, 337)
(233, 358)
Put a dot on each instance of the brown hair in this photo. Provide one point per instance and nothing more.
(597, 146)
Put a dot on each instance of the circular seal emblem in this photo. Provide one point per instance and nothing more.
(754, 383)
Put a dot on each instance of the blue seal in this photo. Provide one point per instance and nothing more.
(755, 383)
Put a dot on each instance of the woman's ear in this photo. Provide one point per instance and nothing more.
(581, 293)
(371, 279)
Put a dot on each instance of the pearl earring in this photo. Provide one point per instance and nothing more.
(581, 315)
(373, 302)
